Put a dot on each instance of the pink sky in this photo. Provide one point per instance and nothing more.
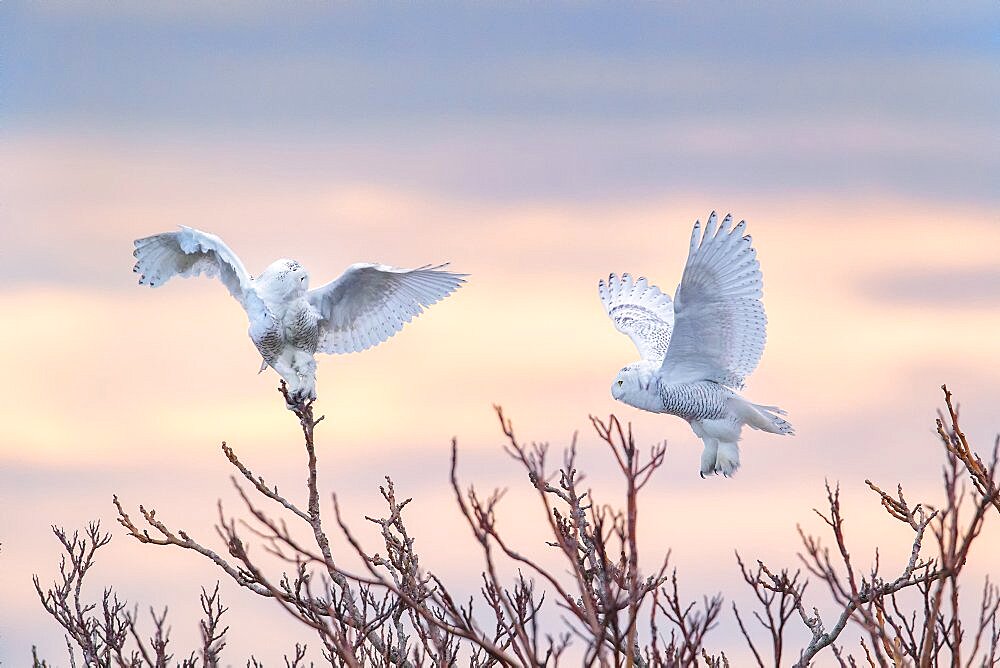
(129, 390)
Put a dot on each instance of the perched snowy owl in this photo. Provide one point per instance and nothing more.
(698, 349)
(289, 323)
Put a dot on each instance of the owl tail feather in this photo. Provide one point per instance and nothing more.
(765, 418)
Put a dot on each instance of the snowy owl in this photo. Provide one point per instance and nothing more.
(699, 348)
(289, 323)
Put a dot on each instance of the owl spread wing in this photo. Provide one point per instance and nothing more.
(371, 302)
(641, 311)
(719, 321)
(190, 252)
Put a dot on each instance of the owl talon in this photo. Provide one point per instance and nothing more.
(299, 399)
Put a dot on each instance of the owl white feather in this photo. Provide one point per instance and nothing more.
(698, 350)
(289, 323)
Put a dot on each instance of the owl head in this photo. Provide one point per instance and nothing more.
(635, 385)
(283, 279)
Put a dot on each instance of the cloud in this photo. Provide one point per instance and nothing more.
(78, 203)
(498, 101)
(959, 287)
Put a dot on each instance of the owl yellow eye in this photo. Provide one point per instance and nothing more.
(620, 383)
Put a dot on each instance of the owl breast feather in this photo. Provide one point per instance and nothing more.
(703, 400)
(301, 324)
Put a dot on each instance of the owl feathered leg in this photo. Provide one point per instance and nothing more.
(709, 456)
(283, 365)
(719, 457)
(728, 459)
(721, 454)
(298, 369)
(304, 366)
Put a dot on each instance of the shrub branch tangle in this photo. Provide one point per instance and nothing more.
(395, 612)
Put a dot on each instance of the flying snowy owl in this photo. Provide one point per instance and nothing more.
(701, 347)
(289, 323)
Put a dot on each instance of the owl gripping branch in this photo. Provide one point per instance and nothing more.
(289, 323)
(343, 614)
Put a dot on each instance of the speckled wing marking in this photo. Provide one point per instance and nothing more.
(641, 311)
(719, 322)
(371, 302)
(266, 334)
